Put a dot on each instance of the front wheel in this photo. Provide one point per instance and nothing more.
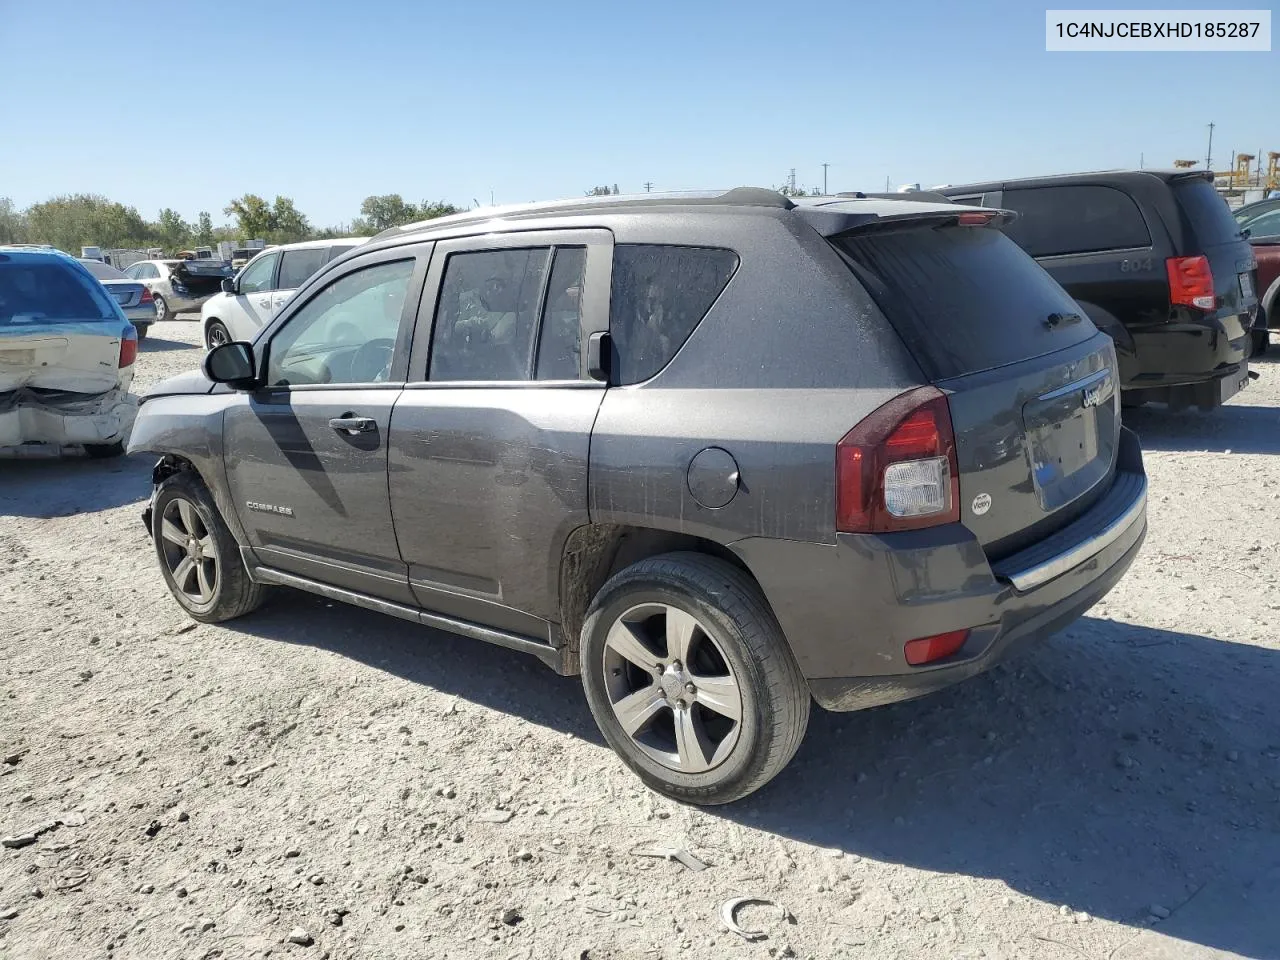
(1261, 341)
(199, 558)
(690, 679)
(216, 334)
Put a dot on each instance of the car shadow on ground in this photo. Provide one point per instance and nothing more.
(160, 345)
(61, 486)
(1113, 768)
(1235, 427)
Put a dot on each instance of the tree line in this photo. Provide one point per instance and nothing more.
(85, 219)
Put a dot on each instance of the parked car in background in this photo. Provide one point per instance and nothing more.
(67, 355)
(1251, 211)
(258, 291)
(1155, 260)
(1266, 249)
(133, 297)
(180, 286)
(722, 500)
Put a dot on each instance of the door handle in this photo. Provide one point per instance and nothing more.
(265, 303)
(351, 425)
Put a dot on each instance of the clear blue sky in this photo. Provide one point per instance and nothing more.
(189, 103)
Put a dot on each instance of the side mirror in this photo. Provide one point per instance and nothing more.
(228, 285)
(232, 364)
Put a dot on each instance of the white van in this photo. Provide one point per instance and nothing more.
(261, 288)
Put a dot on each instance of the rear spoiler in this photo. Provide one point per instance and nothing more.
(833, 222)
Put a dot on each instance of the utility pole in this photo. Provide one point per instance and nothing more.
(886, 184)
(648, 186)
(1141, 158)
(824, 178)
(1208, 157)
(791, 180)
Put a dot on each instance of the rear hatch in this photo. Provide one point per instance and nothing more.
(58, 330)
(127, 293)
(1208, 229)
(1030, 382)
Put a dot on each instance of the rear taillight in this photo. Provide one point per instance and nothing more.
(128, 348)
(897, 469)
(146, 296)
(1191, 282)
(975, 219)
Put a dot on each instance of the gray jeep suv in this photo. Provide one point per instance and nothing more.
(719, 454)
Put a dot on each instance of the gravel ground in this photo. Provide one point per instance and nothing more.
(376, 790)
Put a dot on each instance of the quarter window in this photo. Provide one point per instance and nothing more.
(257, 275)
(660, 293)
(487, 315)
(346, 333)
(1080, 219)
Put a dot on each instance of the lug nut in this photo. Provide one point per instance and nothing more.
(675, 665)
(690, 688)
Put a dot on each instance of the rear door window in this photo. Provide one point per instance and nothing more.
(297, 265)
(660, 293)
(1206, 213)
(964, 299)
(336, 251)
(1055, 221)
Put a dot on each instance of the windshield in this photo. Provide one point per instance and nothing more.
(103, 271)
(49, 292)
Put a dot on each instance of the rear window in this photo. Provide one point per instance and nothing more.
(49, 292)
(964, 299)
(1205, 213)
(1083, 219)
(297, 265)
(660, 293)
(103, 271)
(336, 252)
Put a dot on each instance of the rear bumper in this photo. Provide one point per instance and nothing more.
(849, 609)
(142, 315)
(100, 419)
(1180, 353)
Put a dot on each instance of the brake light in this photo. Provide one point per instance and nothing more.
(146, 296)
(937, 647)
(128, 348)
(974, 219)
(1191, 282)
(897, 469)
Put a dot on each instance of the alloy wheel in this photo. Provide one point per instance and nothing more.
(190, 553)
(671, 687)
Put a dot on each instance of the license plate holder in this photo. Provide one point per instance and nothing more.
(1246, 286)
(1228, 387)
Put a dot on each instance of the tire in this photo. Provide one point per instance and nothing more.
(104, 451)
(142, 330)
(1261, 341)
(162, 309)
(734, 645)
(183, 501)
(214, 330)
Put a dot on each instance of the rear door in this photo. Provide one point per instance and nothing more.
(296, 266)
(306, 455)
(489, 441)
(1031, 384)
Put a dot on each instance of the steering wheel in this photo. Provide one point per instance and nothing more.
(372, 362)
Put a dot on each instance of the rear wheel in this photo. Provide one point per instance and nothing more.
(216, 334)
(1261, 341)
(199, 558)
(690, 679)
(142, 330)
(162, 308)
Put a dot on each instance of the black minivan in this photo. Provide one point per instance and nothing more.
(1156, 260)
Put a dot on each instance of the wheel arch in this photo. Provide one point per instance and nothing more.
(595, 552)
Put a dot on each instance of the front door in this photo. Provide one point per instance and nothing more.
(251, 304)
(306, 455)
(490, 438)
